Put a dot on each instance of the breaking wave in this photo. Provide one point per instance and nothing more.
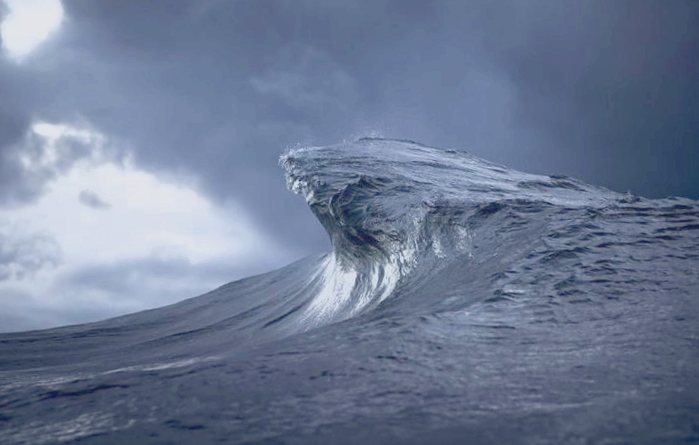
(396, 211)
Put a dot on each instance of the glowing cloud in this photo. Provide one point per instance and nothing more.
(28, 23)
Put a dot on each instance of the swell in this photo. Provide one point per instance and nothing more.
(459, 277)
(414, 229)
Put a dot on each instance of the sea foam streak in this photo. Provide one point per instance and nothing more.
(462, 300)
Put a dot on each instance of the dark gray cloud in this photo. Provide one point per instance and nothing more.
(15, 111)
(608, 91)
(604, 91)
(32, 161)
(92, 199)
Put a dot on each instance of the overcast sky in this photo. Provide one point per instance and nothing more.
(139, 140)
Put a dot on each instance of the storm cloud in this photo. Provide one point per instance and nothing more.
(603, 91)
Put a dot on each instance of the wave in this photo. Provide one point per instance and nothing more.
(461, 299)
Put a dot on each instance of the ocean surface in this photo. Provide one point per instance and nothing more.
(463, 302)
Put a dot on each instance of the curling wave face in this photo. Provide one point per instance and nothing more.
(461, 299)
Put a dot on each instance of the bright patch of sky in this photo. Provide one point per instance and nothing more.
(105, 211)
(28, 23)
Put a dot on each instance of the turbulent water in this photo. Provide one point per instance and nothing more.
(463, 302)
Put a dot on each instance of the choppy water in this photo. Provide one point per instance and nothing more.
(463, 302)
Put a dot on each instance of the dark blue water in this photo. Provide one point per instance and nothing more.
(463, 302)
